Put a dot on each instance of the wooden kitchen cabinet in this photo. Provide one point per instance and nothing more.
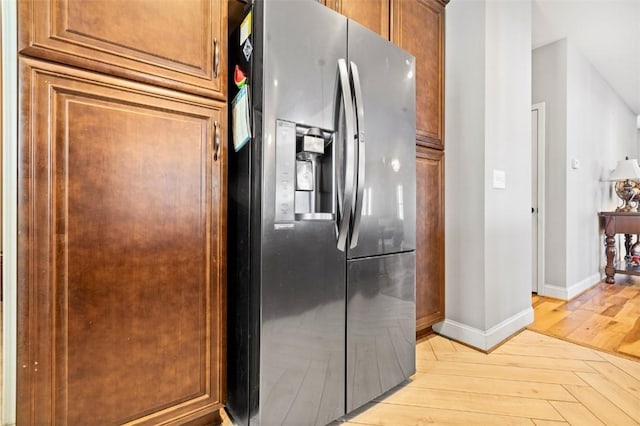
(429, 238)
(373, 14)
(122, 235)
(418, 27)
(176, 44)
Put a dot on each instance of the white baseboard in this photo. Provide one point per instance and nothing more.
(568, 293)
(484, 340)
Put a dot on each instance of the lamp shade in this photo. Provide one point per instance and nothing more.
(626, 169)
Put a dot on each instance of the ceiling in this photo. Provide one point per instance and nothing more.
(607, 32)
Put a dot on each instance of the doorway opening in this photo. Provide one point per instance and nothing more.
(537, 196)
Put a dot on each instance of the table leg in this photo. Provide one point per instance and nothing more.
(610, 251)
(627, 247)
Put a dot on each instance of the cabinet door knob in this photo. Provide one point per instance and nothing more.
(216, 57)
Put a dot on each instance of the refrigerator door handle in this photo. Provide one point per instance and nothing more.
(360, 152)
(344, 111)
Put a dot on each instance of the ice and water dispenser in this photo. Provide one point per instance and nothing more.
(305, 170)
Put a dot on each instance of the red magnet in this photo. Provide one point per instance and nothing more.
(239, 77)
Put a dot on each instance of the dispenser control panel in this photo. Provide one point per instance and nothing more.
(285, 178)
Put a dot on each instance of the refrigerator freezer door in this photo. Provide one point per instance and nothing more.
(386, 74)
(303, 274)
(380, 325)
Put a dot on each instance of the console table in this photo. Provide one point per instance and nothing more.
(618, 223)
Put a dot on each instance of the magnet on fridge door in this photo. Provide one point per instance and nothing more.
(239, 77)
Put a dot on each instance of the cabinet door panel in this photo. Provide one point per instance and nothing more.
(418, 27)
(429, 238)
(373, 14)
(164, 42)
(121, 251)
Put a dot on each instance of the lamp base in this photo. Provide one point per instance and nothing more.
(627, 207)
(628, 190)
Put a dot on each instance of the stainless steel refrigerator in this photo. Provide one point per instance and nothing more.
(321, 236)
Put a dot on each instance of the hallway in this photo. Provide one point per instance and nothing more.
(605, 317)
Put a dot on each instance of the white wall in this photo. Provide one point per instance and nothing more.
(488, 126)
(464, 162)
(9, 207)
(508, 147)
(601, 129)
(587, 121)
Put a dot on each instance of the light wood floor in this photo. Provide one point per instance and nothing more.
(532, 379)
(606, 317)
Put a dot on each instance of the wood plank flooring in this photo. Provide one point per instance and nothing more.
(532, 379)
(605, 317)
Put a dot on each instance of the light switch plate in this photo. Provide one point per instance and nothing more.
(499, 179)
(575, 163)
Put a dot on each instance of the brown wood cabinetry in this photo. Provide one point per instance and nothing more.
(122, 217)
(373, 14)
(176, 44)
(418, 27)
(121, 251)
(429, 237)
